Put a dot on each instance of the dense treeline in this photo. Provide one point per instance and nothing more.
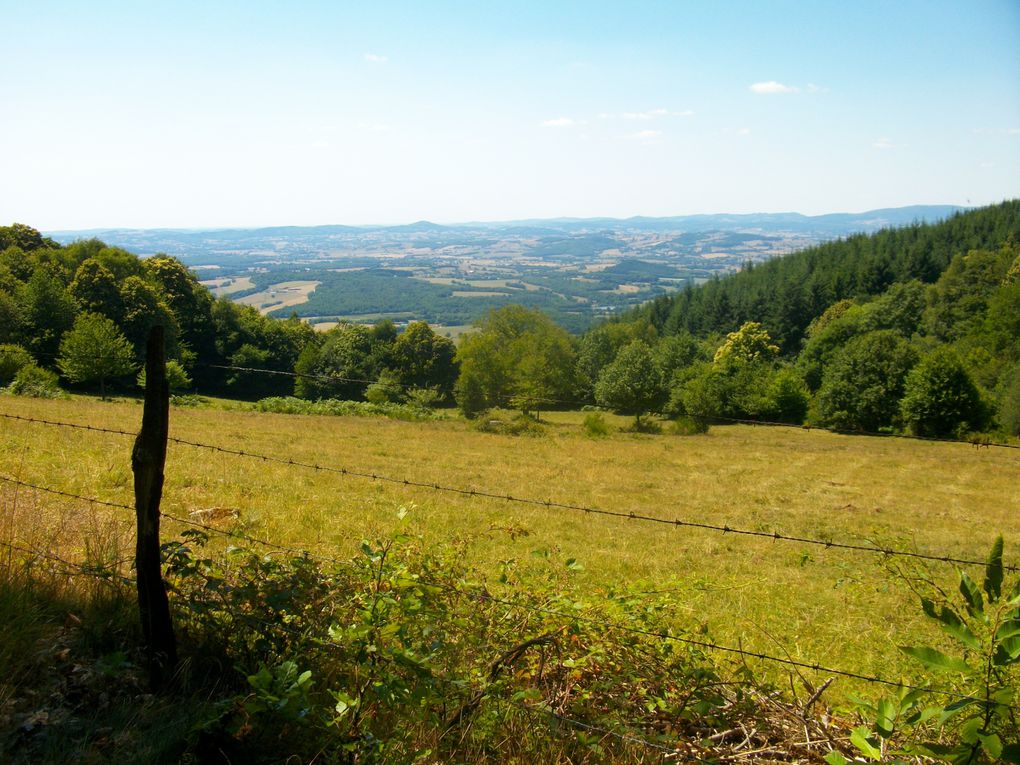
(785, 294)
(84, 311)
(912, 329)
(915, 328)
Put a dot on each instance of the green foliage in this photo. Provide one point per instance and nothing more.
(940, 399)
(519, 356)
(862, 387)
(786, 294)
(397, 654)
(789, 397)
(688, 426)
(36, 382)
(749, 344)
(23, 237)
(631, 383)
(595, 425)
(12, 359)
(95, 350)
(422, 359)
(516, 425)
(959, 298)
(469, 393)
(339, 408)
(176, 377)
(600, 346)
(978, 726)
(1009, 410)
(95, 290)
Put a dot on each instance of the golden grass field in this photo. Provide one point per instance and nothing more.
(832, 607)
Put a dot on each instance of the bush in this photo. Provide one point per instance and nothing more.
(12, 359)
(940, 398)
(648, 427)
(688, 426)
(176, 377)
(518, 425)
(334, 407)
(595, 426)
(32, 380)
(789, 396)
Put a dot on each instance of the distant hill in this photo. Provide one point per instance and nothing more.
(836, 224)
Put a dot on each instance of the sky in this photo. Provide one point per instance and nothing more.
(214, 114)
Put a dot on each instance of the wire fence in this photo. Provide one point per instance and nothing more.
(480, 594)
(639, 516)
(485, 597)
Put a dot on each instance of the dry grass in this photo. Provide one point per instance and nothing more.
(832, 607)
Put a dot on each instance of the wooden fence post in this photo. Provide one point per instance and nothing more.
(147, 462)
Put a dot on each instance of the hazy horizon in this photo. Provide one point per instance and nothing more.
(494, 222)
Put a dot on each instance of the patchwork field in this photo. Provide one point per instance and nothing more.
(281, 295)
(814, 604)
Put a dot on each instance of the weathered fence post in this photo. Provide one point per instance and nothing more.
(147, 461)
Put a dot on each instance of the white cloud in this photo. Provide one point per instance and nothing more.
(884, 143)
(644, 135)
(744, 131)
(559, 122)
(320, 144)
(375, 58)
(812, 88)
(375, 127)
(772, 88)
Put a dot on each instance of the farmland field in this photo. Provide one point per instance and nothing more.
(839, 608)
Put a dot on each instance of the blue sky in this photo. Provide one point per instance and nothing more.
(257, 113)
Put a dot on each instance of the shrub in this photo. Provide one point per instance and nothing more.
(688, 426)
(176, 377)
(595, 426)
(12, 359)
(334, 407)
(33, 380)
(518, 425)
(940, 398)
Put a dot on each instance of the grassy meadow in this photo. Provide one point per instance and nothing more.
(840, 608)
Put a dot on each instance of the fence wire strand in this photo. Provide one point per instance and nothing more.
(483, 596)
(630, 515)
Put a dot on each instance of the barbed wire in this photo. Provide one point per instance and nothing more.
(485, 597)
(75, 569)
(631, 515)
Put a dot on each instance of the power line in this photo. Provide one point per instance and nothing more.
(548, 503)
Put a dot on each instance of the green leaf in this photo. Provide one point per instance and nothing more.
(835, 758)
(952, 624)
(993, 571)
(971, 593)
(573, 565)
(1007, 630)
(885, 719)
(859, 738)
(936, 659)
(991, 744)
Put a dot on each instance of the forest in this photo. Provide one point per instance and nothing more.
(912, 329)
